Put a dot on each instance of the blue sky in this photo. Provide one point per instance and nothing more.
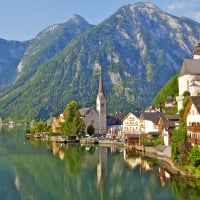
(24, 19)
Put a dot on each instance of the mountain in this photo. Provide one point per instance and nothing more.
(45, 45)
(138, 49)
(48, 43)
(11, 52)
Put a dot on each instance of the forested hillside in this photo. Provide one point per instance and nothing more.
(137, 49)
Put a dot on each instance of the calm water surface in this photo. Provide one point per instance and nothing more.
(35, 170)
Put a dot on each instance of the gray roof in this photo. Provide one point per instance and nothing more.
(190, 66)
(196, 102)
(85, 111)
(152, 116)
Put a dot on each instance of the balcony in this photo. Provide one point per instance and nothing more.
(193, 140)
(194, 128)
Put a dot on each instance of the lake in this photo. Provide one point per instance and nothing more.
(37, 170)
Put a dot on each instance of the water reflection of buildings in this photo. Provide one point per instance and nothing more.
(164, 176)
(57, 151)
(133, 162)
(102, 170)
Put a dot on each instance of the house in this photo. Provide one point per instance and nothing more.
(57, 121)
(192, 117)
(170, 103)
(56, 125)
(131, 123)
(140, 124)
(90, 117)
(148, 122)
(137, 122)
(189, 78)
(166, 125)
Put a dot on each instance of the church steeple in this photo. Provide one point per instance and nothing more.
(101, 107)
(101, 90)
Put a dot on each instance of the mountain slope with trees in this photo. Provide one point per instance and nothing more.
(11, 52)
(137, 49)
(170, 89)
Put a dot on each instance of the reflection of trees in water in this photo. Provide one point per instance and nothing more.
(8, 179)
(40, 175)
(73, 158)
(186, 189)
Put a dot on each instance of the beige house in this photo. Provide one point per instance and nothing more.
(137, 122)
(131, 123)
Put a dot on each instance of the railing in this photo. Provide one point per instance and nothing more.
(194, 140)
(193, 128)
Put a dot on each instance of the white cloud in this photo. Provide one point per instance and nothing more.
(197, 16)
(176, 6)
(188, 8)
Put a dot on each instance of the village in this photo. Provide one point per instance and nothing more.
(141, 130)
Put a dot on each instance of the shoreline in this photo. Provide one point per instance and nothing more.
(164, 161)
(152, 152)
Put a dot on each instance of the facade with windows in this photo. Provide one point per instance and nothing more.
(192, 117)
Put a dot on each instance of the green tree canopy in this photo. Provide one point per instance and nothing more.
(194, 156)
(38, 127)
(179, 140)
(90, 129)
(73, 122)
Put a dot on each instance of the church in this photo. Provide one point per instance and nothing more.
(189, 77)
(97, 117)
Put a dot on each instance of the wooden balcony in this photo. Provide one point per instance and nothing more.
(193, 128)
(193, 140)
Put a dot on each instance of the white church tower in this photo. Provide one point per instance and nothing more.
(101, 107)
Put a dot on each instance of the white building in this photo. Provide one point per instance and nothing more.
(131, 123)
(189, 78)
(137, 122)
(101, 108)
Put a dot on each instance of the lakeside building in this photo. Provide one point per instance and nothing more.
(189, 80)
(189, 77)
(149, 124)
(166, 125)
(192, 117)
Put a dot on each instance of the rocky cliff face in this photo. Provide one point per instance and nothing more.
(137, 49)
(11, 52)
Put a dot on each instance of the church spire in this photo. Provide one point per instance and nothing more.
(101, 90)
(101, 107)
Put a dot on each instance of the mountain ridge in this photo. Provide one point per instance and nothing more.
(138, 48)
